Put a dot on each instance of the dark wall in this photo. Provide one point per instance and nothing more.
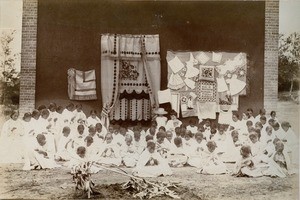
(69, 36)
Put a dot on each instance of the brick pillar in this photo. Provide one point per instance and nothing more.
(271, 55)
(28, 56)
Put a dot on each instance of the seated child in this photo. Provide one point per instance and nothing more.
(211, 163)
(92, 148)
(220, 139)
(79, 158)
(78, 137)
(192, 126)
(160, 119)
(188, 140)
(64, 145)
(173, 122)
(129, 152)
(97, 140)
(68, 114)
(78, 113)
(100, 131)
(195, 156)
(279, 164)
(139, 144)
(256, 147)
(267, 137)
(291, 142)
(151, 164)
(233, 144)
(168, 141)
(93, 119)
(178, 155)
(161, 146)
(110, 152)
(41, 156)
(118, 138)
(246, 166)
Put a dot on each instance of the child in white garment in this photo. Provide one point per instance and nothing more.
(64, 149)
(195, 155)
(129, 152)
(110, 152)
(160, 118)
(151, 164)
(178, 155)
(245, 166)
(211, 161)
(41, 156)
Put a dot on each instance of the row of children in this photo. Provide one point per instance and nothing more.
(72, 137)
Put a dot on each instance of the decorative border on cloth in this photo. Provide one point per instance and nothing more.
(134, 95)
(207, 91)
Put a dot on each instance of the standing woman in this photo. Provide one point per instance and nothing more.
(11, 142)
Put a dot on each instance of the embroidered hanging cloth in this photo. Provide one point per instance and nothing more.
(81, 84)
(130, 64)
(212, 76)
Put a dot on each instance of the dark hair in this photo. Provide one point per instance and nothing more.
(148, 137)
(28, 114)
(42, 107)
(209, 143)
(263, 118)
(249, 123)
(173, 112)
(65, 129)
(81, 150)
(199, 134)
(246, 149)
(89, 139)
(250, 109)
(13, 113)
(236, 114)
(35, 112)
(162, 127)
(234, 132)
(70, 105)
(151, 144)
(177, 141)
(160, 134)
(40, 136)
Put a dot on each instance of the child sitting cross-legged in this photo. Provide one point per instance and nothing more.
(129, 152)
(245, 166)
(110, 152)
(195, 154)
(41, 156)
(178, 155)
(279, 163)
(211, 162)
(151, 164)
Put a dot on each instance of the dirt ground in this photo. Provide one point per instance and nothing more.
(57, 184)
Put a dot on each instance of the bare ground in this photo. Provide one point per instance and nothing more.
(57, 184)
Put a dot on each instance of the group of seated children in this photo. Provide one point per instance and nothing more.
(258, 145)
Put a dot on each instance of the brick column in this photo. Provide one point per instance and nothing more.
(271, 55)
(28, 56)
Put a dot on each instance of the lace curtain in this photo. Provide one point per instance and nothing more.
(130, 76)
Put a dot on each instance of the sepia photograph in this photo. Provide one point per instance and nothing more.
(149, 99)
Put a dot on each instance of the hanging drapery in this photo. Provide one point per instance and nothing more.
(81, 84)
(130, 64)
(212, 76)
